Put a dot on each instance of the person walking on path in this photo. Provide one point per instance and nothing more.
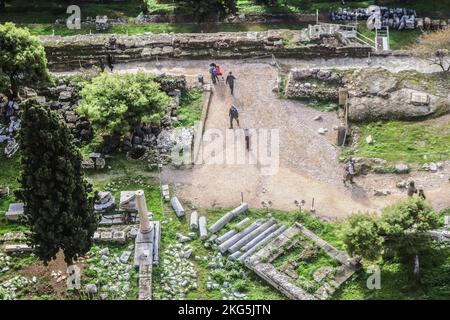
(213, 72)
(233, 114)
(110, 61)
(230, 81)
(411, 189)
(219, 73)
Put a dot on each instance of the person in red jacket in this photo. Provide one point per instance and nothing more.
(219, 73)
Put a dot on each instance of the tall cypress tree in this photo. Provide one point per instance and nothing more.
(58, 200)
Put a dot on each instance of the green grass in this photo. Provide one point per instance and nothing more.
(37, 11)
(398, 283)
(411, 142)
(190, 108)
(399, 39)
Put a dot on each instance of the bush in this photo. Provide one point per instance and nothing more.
(115, 104)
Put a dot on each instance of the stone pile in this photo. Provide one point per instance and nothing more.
(5, 261)
(313, 84)
(180, 139)
(94, 161)
(223, 276)
(105, 202)
(111, 273)
(178, 275)
(63, 98)
(13, 236)
(396, 18)
(9, 289)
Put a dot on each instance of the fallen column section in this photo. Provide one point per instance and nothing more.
(194, 220)
(251, 251)
(259, 238)
(202, 227)
(219, 224)
(235, 256)
(235, 247)
(227, 244)
(176, 205)
(226, 236)
(243, 222)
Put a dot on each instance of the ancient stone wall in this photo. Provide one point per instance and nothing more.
(86, 50)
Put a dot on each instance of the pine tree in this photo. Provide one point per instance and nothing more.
(58, 200)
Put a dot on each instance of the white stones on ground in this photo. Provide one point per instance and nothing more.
(401, 168)
(178, 275)
(322, 130)
(112, 274)
(183, 238)
(125, 256)
(11, 287)
(402, 184)
(187, 253)
(5, 262)
(369, 139)
(219, 224)
(194, 220)
(380, 193)
(202, 228)
(318, 118)
(91, 289)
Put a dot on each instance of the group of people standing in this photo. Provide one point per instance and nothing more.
(216, 74)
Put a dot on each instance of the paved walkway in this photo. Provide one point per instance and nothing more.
(308, 161)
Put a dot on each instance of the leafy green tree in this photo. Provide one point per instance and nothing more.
(404, 227)
(116, 103)
(22, 57)
(58, 200)
(206, 10)
(401, 231)
(361, 235)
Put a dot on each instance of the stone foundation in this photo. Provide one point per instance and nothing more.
(86, 50)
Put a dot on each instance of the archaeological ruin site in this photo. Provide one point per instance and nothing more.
(224, 150)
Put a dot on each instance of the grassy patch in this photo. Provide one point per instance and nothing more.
(190, 108)
(413, 142)
(399, 39)
(398, 283)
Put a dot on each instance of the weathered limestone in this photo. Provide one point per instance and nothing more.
(202, 228)
(141, 204)
(15, 211)
(235, 256)
(17, 248)
(75, 51)
(105, 202)
(243, 241)
(262, 243)
(259, 238)
(243, 222)
(194, 220)
(127, 201)
(227, 244)
(219, 224)
(145, 282)
(226, 236)
(177, 207)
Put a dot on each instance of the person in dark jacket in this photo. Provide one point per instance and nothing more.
(233, 114)
(230, 81)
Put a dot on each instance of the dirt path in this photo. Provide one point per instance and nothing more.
(308, 161)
